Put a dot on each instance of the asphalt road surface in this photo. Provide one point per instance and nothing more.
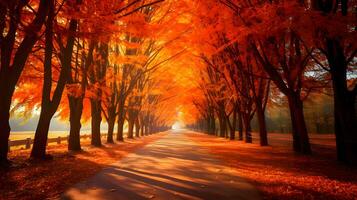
(171, 168)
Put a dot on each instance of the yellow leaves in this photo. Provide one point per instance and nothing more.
(156, 91)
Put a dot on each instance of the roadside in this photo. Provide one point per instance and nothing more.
(44, 180)
(281, 174)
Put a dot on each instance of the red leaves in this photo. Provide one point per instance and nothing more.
(74, 89)
(280, 174)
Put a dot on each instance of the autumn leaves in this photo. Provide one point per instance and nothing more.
(106, 57)
(249, 49)
(141, 63)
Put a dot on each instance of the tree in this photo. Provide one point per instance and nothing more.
(49, 105)
(96, 77)
(13, 58)
(340, 52)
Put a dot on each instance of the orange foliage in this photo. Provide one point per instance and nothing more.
(280, 174)
(42, 181)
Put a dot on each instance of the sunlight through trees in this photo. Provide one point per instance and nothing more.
(223, 67)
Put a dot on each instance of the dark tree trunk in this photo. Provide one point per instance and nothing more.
(6, 87)
(97, 77)
(291, 88)
(130, 129)
(222, 126)
(121, 119)
(48, 106)
(262, 124)
(212, 125)
(111, 124)
(120, 128)
(41, 134)
(247, 129)
(344, 99)
(240, 126)
(344, 104)
(9, 75)
(96, 121)
(137, 128)
(75, 115)
(142, 128)
(5, 102)
(234, 125)
(76, 102)
(300, 137)
(208, 126)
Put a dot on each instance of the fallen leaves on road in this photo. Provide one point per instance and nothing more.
(281, 174)
(47, 179)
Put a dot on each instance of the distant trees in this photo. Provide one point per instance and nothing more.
(115, 57)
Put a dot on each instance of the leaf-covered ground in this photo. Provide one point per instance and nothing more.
(47, 179)
(281, 174)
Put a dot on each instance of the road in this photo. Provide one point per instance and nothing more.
(171, 168)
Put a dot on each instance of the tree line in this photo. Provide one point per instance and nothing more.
(97, 60)
(258, 52)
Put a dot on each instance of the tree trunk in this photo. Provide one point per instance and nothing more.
(208, 125)
(240, 126)
(222, 126)
(48, 106)
(130, 129)
(76, 103)
(96, 121)
(234, 124)
(248, 133)
(137, 128)
(262, 124)
(344, 104)
(9, 75)
(120, 128)
(5, 103)
(300, 137)
(142, 128)
(75, 115)
(212, 125)
(111, 124)
(41, 134)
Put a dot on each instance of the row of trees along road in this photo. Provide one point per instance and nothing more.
(115, 57)
(102, 55)
(257, 52)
